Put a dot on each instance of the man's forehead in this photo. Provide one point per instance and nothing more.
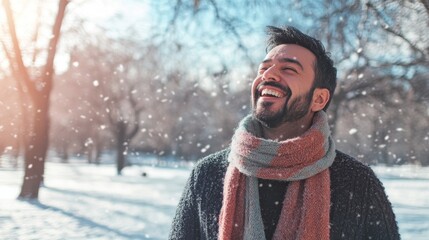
(291, 51)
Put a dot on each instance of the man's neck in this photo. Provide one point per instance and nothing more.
(288, 130)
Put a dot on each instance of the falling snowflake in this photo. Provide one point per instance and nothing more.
(353, 131)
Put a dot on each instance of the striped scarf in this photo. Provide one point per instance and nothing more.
(303, 161)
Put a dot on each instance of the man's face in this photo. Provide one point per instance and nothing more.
(282, 91)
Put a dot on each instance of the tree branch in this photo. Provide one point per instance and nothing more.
(426, 5)
(19, 69)
(394, 32)
(52, 48)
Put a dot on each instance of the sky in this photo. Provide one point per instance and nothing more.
(116, 17)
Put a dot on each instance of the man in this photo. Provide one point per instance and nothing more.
(282, 177)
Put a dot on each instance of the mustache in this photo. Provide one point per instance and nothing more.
(276, 85)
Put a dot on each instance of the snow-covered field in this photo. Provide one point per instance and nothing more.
(81, 201)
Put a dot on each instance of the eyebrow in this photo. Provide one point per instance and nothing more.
(288, 60)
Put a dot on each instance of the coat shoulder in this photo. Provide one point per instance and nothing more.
(214, 162)
(346, 164)
(346, 171)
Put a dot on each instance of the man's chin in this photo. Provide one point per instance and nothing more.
(268, 120)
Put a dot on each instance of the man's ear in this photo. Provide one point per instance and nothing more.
(320, 99)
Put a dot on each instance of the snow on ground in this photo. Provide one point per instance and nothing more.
(408, 190)
(81, 201)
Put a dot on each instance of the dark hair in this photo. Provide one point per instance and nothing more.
(325, 72)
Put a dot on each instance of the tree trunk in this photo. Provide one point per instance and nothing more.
(120, 147)
(64, 152)
(36, 91)
(97, 152)
(90, 153)
(35, 150)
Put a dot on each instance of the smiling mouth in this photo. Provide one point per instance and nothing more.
(272, 90)
(269, 92)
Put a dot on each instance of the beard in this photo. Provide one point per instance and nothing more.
(296, 110)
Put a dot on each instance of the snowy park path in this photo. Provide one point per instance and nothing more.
(81, 201)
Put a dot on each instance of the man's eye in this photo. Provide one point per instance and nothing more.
(290, 69)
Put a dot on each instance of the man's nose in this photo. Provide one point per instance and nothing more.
(270, 74)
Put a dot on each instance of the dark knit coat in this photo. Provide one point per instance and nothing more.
(359, 206)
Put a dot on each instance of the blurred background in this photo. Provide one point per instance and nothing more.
(105, 105)
(116, 80)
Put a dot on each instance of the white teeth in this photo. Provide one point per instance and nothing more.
(271, 92)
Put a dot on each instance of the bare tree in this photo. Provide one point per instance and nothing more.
(36, 89)
(114, 86)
